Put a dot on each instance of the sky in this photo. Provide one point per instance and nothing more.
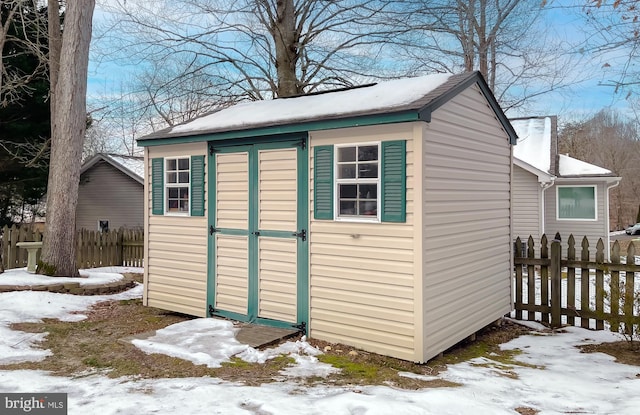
(556, 378)
(564, 19)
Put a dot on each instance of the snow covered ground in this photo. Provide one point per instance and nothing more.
(566, 382)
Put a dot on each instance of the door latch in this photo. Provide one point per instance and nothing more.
(302, 234)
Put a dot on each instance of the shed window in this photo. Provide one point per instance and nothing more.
(177, 174)
(177, 185)
(360, 181)
(357, 181)
(576, 203)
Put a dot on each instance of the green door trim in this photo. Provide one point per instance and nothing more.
(302, 283)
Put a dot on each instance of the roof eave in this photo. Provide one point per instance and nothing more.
(405, 115)
(101, 156)
(472, 78)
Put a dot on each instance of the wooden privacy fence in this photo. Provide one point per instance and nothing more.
(575, 288)
(94, 248)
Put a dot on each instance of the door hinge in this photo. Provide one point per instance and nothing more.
(302, 144)
(302, 234)
(212, 150)
(211, 310)
(212, 230)
(302, 327)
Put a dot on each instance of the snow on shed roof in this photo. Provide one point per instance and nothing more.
(419, 95)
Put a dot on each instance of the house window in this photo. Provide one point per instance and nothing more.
(576, 203)
(177, 183)
(103, 225)
(357, 181)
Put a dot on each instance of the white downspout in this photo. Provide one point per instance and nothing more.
(545, 186)
(607, 216)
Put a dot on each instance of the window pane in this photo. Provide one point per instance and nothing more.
(183, 164)
(184, 192)
(367, 153)
(368, 208)
(183, 177)
(184, 206)
(368, 191)
(347, 207)
(171, 164)
(368, 170)
(173, 192)
(348, 191)
(346, 154)
(576, 203)
(173, 205)
(347, 171)
(172, 178)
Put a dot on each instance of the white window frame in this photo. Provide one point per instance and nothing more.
(168, 185)
(336, 182)
(595, 202)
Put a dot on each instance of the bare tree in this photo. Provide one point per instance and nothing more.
(614, 26)
(68, 128)
(609, 140)
(499, 38)
(255, 49)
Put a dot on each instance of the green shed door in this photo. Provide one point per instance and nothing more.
(258, 263)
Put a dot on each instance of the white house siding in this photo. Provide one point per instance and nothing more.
(527, 205)
(467, 235)
(175, 247)
(362, 275)
(593, 230)
(106, 193)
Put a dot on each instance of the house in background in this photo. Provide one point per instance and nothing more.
(111, 193)
(377, 217)
(554, 192)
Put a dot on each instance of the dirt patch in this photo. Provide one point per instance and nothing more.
(93, 345)
(624, 352)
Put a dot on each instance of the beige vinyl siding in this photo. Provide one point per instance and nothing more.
(467, 235)
(527, 201)
(277, 189)
(593, 230)
(175, 248)
(232, 190)
(232, 284)
(362, 275)
(106, 193)
(277, 271)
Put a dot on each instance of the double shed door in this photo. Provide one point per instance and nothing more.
(258, 262)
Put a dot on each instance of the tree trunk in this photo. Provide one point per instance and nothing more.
(69, 118)
(286, 45)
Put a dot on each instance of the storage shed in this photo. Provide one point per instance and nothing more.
(377, 217)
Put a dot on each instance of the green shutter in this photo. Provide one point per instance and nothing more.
(157, 186)
(394, 181)
(323, 182)
(197, 185)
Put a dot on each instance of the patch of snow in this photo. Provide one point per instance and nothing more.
(560, 379)
(534, 142)
(92, 276)
(133, 164)
(384, 95)
(573, 167)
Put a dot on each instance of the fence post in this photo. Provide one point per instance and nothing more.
(556, 283)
